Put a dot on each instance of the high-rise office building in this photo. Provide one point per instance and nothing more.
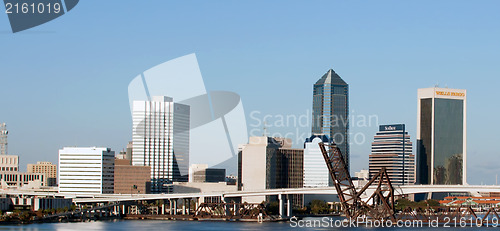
(392, 149)
(86, 170)
(331, 110)
(442, 136)
(290, 172)
(316, 172)
(258, 166)
(3, 139)
(160, 137)
(267, 163)
(48, 168)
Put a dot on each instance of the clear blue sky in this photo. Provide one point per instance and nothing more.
(65, 82)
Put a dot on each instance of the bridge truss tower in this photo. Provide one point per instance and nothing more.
(380, 205)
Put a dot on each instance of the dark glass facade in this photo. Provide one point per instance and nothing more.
(424, 153)
(448, 141)
(446, 164)
(290, 172)
(331, 110)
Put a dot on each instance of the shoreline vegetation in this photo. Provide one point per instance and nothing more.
(316, 208)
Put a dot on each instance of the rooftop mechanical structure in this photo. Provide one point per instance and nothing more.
(3, 139)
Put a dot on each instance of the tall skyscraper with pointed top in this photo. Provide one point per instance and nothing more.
(331, 110)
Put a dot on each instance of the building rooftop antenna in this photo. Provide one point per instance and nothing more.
(3, 139)
(265, 129)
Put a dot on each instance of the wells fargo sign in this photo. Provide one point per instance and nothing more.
(450, 93)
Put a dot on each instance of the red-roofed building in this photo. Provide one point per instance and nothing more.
(474, 202)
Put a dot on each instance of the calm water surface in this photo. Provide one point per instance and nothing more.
(141, 225)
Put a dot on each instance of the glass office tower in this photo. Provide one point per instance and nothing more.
(331, 110)
(160, 139)
(441, 136)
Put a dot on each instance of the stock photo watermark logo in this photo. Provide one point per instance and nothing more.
(26, 14)
(217, 122)
(298, 126)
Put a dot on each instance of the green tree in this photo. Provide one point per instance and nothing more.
(319, 207)
(25, 216)
(273, 208)
(433, 202)
(402, 204)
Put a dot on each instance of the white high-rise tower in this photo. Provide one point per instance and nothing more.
(160, 137)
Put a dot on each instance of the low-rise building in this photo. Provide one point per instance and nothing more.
(48, 168)
(22, 179)
(35, 203)
(202, 173)
(474, 202)
(11, 177)
(130, 179)
(9, 163)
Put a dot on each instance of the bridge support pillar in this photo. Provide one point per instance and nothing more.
(281, 205)
(175, 206)
(189, 206)
(288, 206)
(235, 210)
(170, 207)
(223, 200)
(184, 206)
(196, 204)
(163, 208)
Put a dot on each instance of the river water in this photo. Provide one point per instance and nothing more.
(142, 225)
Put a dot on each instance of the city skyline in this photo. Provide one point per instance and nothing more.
(385, 60)
(328, 74)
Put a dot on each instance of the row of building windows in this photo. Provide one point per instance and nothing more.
(11, 169)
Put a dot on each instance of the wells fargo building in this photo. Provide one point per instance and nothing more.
(441, 136)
